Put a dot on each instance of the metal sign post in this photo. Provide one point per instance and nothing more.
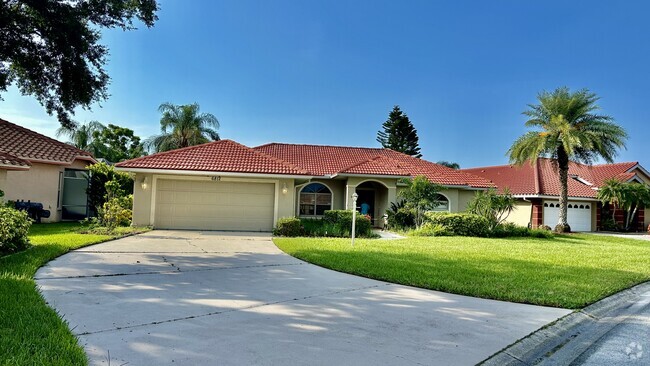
(354, 215)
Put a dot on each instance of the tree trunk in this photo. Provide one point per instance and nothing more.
(563, 168)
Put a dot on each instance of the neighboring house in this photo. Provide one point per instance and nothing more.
(36, 168)
(224, 185)
(537, 188)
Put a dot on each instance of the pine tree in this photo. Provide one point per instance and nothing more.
(399, 134)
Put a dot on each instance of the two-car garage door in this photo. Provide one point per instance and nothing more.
(214, 205)
(578, 214)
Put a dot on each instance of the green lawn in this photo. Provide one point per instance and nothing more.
(569, 271)
(31, 333)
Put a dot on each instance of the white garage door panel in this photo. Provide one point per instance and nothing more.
(578, 215)
(212, 205)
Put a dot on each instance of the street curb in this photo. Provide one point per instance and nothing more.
(564, 340)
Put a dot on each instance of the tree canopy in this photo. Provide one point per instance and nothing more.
(183, 126)
(50, 49)
(567, 128)
(399, 134)
(112, 142)
(449, 164)
(420, 195)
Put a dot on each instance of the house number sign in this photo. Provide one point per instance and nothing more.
(215, 178)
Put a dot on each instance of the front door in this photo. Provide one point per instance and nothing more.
(368, 197)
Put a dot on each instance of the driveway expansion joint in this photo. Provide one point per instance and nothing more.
(177, 270)
(234, 310)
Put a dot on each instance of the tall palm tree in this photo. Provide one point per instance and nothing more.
(81, 135)
(183, 126)
(567, 128)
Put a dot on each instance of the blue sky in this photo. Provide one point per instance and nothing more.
(328, 72)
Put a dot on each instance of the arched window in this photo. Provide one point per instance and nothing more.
(582, 206)
(587, 207)
(315, 199)
(546, 205)
(571, 206)
(443, 204)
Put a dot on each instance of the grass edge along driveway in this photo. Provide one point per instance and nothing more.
(568, 271)
(31, 333)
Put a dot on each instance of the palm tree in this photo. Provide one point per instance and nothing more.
(81, 136)
(611, 192)
(567, 129)
(182, 126)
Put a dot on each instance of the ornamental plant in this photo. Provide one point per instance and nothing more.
(14, 227)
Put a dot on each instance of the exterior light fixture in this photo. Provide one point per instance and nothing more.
(285, 190)
(145, 183)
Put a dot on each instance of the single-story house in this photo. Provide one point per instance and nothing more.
(537, 188)
(36, 168)
(224, 185)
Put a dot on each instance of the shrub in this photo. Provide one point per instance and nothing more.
(649, 229)
(288, 226)
(420, 195)
(343, 219)
(117, 211)
(14, 227)
(400, 216)
(493, 206)
(462, 224)
(608, 224)
(545, 227)
(509, 229)
(429, 229)
(513, 230)
(100, 174)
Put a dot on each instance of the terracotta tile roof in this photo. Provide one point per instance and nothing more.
(330, 160)
(217, 156)
(10, 162)
(542, 179)
(31, 146)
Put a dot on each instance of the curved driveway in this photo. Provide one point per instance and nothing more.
(209, 298)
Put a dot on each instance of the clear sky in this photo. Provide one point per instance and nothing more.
(328, 72)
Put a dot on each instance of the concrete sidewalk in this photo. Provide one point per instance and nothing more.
(205, 298)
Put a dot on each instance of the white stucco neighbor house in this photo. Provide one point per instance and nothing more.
(225, 185)
(36, 168)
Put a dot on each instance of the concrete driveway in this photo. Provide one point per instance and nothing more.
(208, 298)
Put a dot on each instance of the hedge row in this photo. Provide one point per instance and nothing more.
(335, 223)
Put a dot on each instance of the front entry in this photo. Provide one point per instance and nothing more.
(366, 197)
(375, 197)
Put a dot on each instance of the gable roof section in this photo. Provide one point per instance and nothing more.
(323, 160)
(217, 156)
(31, 146)
(541, 178)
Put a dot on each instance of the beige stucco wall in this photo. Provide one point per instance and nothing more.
(464, 197)
(521, 215)
(3, 183)
(39, 184)
(142, 200)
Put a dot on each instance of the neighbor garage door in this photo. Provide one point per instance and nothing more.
(214, 205)
(578, 215)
